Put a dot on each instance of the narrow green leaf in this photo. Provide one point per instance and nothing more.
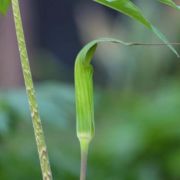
(170, 3)
(4, 5)
(126, 7)
(130, 9)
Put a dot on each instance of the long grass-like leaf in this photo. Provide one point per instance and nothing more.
(130, 9)
(170, 3)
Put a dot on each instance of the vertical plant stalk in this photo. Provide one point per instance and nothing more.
(38, 130)
(84, 154)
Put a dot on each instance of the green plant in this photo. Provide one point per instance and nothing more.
(84, 98)
(84, 74)
(170, 3)
(38, 130)
(83, 78)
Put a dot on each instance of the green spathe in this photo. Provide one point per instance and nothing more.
(84, 86)
(84, 93)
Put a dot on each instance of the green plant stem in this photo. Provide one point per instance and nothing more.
(84, 145)
(38, 130)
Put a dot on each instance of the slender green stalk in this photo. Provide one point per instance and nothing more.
(38, 130)
(84, 144)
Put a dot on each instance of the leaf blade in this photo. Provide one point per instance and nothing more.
(126, 7)
(4, 5)
(170, 3)
(130, 9)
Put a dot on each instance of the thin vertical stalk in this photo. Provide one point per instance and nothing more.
(38, 130)
(84, 144)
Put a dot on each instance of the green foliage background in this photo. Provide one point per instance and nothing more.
(137, 134)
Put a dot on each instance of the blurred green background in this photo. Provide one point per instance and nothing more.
(137, 94)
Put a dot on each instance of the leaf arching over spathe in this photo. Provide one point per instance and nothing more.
(84, 88)
(83, 74)
(128, 8)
